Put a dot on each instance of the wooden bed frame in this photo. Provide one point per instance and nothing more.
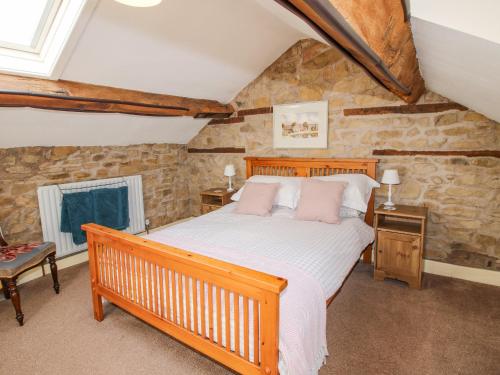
(153, 281)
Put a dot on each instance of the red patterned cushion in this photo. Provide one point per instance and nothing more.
(9, 253)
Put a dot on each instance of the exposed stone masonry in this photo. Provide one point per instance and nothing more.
(463, 194)
(23, 169)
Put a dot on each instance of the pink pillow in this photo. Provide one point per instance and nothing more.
(320, 201)
(257, 199)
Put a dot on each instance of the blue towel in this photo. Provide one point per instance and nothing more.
(107, 207)
(111, 207)
(77, 209)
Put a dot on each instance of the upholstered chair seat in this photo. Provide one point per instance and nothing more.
(16, 259)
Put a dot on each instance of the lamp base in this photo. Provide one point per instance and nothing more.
(389, 206)
(230, 187)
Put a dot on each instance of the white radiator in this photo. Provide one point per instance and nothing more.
(50, 198)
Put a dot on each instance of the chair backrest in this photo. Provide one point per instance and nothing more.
(2, 239)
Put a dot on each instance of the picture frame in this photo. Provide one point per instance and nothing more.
(300, 125)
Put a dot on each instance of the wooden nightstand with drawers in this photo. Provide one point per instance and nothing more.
(399, 243)
(213, 199)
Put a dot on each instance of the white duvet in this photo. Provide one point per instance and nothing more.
(314, 257)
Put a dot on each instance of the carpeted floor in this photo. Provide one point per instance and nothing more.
(449, 327)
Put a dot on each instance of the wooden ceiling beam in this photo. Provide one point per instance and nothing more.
(16, 91)
(375, 34)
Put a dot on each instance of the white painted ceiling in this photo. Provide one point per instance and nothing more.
(458, 48)
(201, 49)
(205, 49)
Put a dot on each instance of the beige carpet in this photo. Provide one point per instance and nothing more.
(450, 327)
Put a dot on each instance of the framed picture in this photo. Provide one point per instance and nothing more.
(300, 125)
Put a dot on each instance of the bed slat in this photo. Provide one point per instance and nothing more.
(237, 324)
(219, 317)
(255, 331)
(202, 309)
(210, 313)
(149, 286)
(227, 319)
(168, 287)
(195, 306)
(188, 303)
(246, 339)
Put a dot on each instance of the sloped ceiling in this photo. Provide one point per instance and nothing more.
(458, 47)
(205, 49)
(212, 49)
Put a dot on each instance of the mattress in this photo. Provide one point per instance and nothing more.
(326, 252)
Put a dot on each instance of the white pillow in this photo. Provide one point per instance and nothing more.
(346, 212)
(288, 193)
(283, 212)
(358, 192)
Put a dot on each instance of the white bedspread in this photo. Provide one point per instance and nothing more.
(314, 257)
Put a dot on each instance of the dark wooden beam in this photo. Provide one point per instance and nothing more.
(372, 33)
(471, 154)
(255, 111)
(231, 120)
(16, 91)
(73, 105)
(213, 115)
(217, 150)
(404, 109)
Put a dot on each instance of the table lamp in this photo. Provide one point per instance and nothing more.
(229, 172)
(390, 178)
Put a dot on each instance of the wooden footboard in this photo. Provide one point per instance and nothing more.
(227, 312)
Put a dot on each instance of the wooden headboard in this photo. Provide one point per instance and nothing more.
(309, 167)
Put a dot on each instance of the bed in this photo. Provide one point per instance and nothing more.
(219, 283)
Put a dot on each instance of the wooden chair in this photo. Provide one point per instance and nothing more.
(17, 259)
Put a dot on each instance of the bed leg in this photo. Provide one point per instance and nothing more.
(97, 304)
(270, 334)
(94, 275)
(367, 255)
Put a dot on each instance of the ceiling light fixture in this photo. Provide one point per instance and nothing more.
(139, 3)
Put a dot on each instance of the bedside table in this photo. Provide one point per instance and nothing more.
(399, 243)
(213, 199)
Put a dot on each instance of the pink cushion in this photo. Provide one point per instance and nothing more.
(320, 201)
(257, 199)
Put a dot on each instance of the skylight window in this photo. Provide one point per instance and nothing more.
(24, 24)
(34, 33)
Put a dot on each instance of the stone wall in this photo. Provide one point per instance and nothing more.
(23, 169)
(463, 194)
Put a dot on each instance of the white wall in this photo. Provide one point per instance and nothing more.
(459, 66)
(478, 18)
(36, 127)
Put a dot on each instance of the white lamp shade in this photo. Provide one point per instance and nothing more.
(229, 170)
(390, 177)
(140, 3)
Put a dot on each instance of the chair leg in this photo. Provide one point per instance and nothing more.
(53, 271)
(16, 300)
(5, 289)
